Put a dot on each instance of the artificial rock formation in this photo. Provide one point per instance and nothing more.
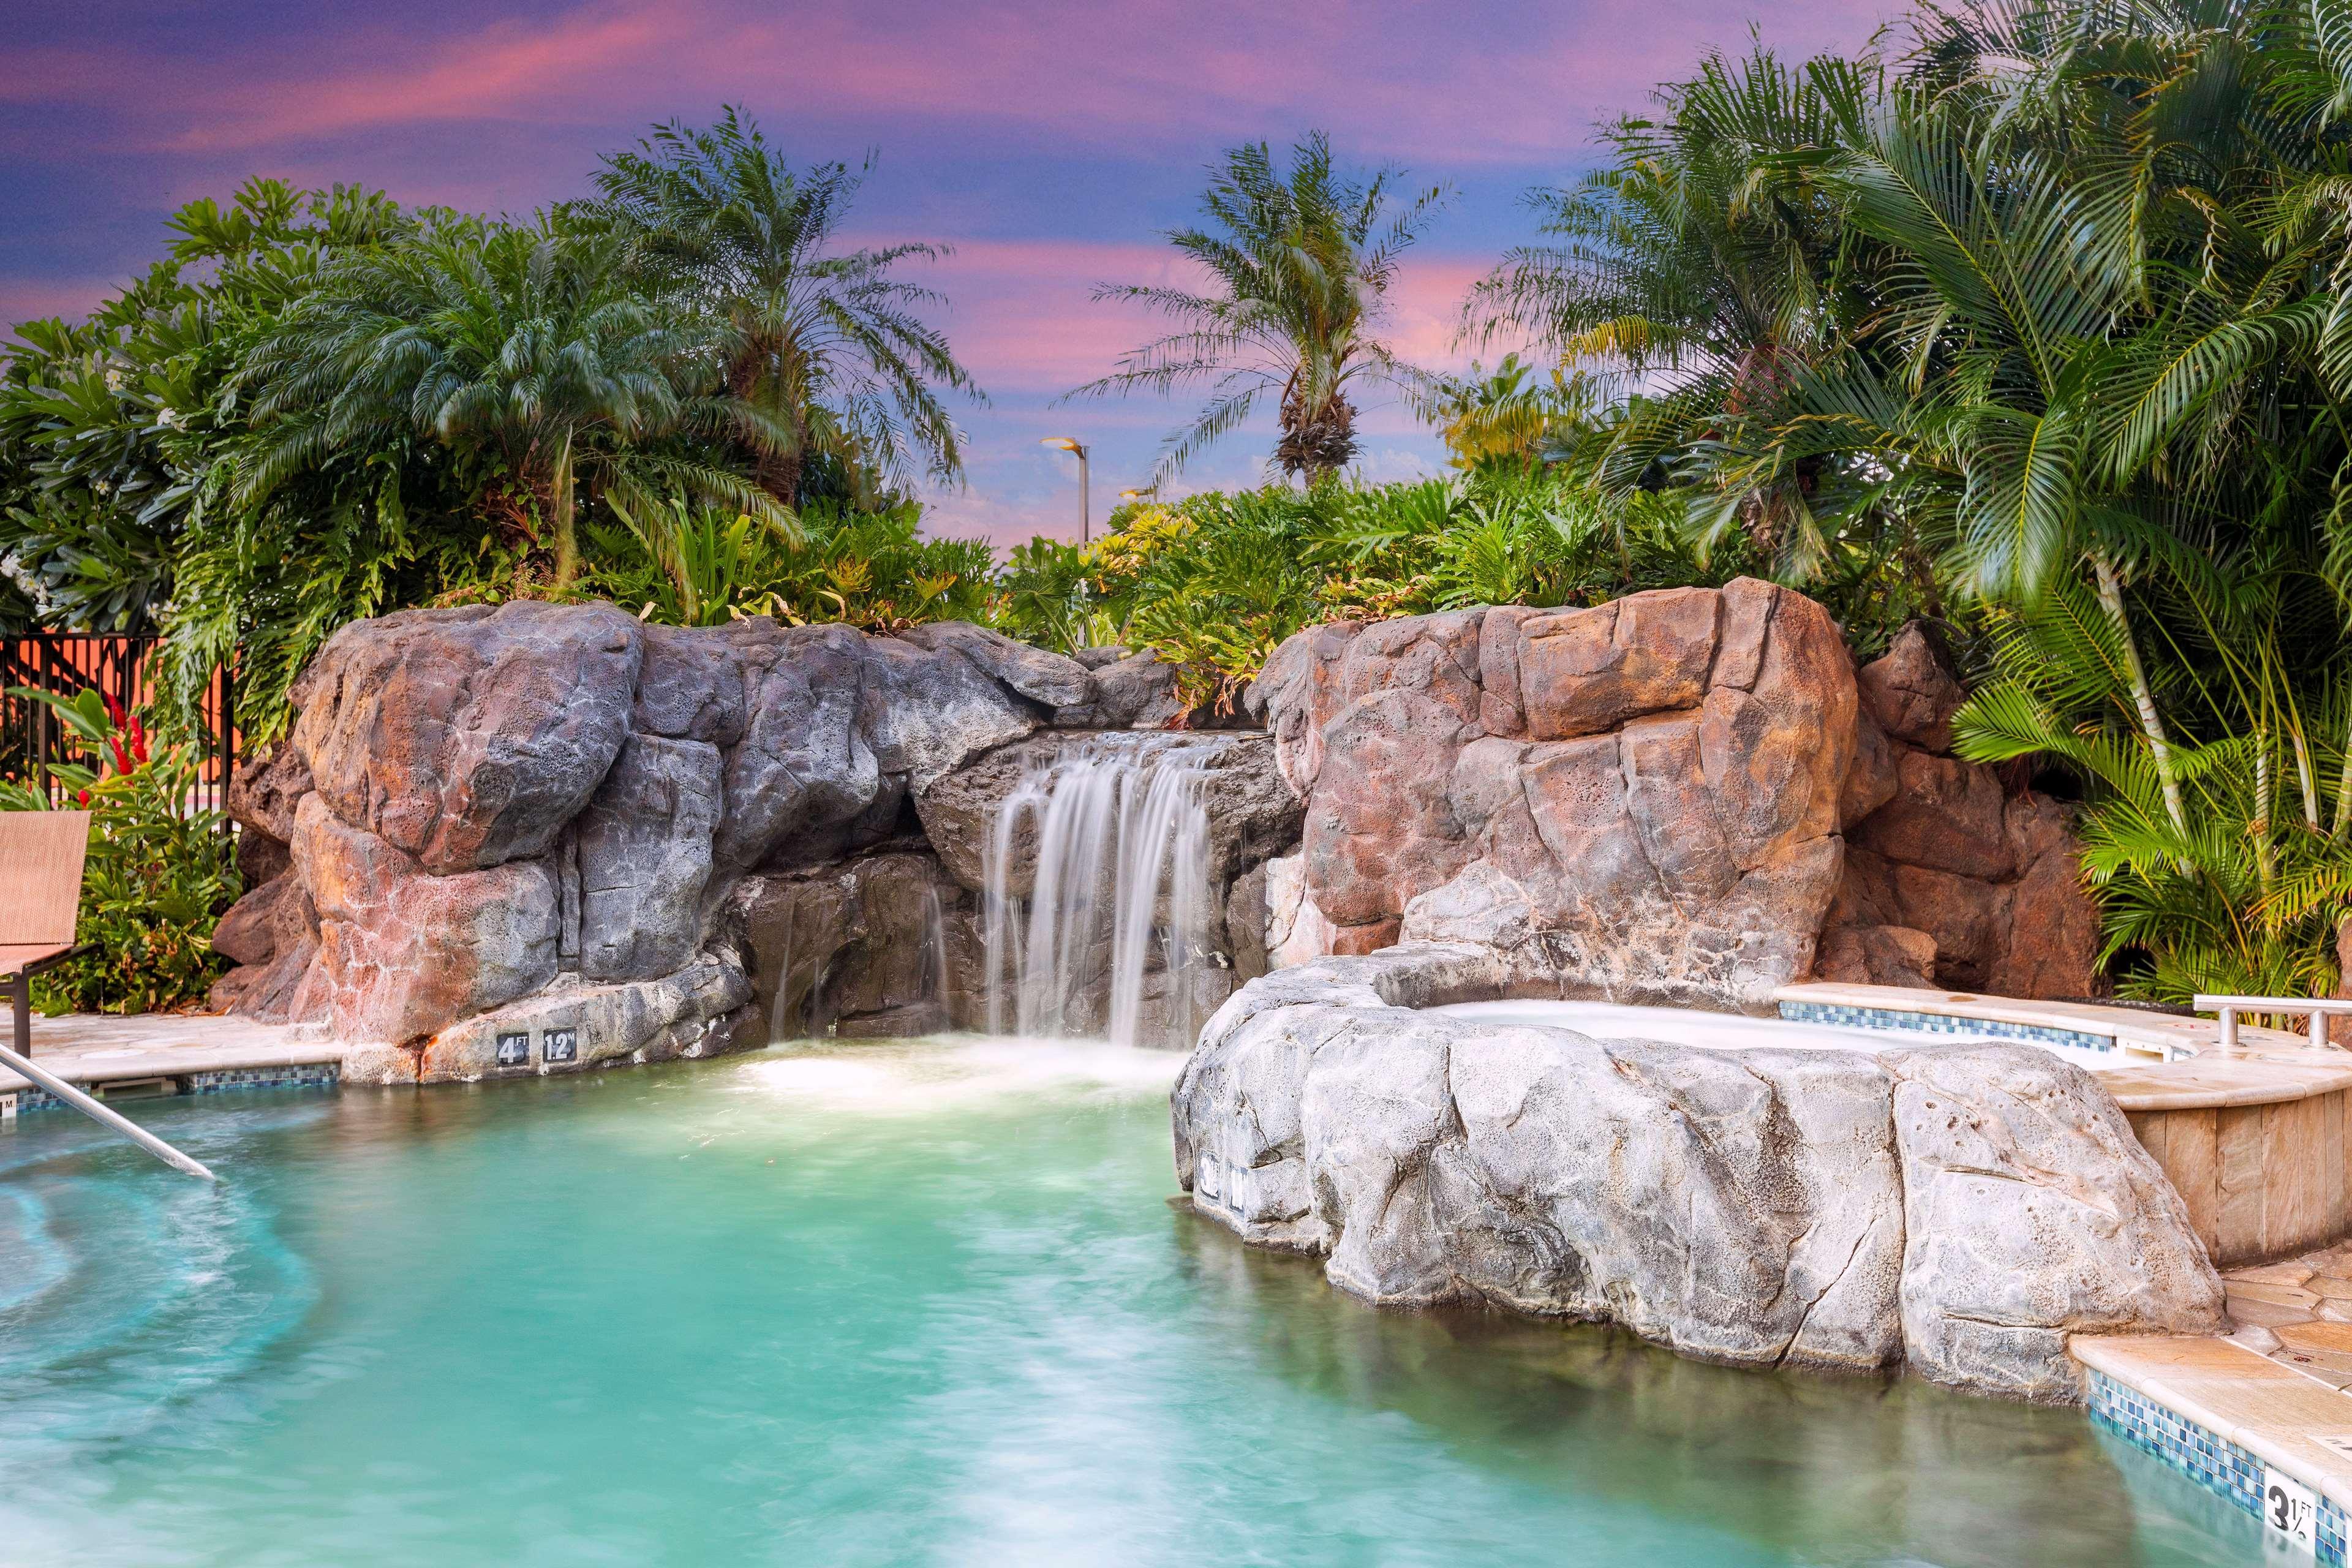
(1950, 880)
(661, 841)
(1640, 797)
(1683, 795)
(1956, 1210)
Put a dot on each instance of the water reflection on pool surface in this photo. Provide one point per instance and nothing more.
(921, 1302)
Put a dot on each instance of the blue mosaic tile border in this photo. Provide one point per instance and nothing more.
(293, 1075)
(1850, 1017)
(2213, 1462)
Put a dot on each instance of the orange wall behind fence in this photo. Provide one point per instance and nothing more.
(121, 666)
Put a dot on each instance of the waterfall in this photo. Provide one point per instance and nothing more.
(1117, 891)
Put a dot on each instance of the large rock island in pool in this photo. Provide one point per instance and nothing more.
(541, 822)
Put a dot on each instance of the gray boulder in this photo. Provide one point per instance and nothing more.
(699, 1011)
(643, 848)
(804, 764)
(2032, 1213)
(882, 944)
(1047, 679)
(1958, 1210)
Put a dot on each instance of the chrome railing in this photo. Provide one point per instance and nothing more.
(89, 1106)
(2320, 1008)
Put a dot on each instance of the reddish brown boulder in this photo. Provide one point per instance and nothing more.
(248, 932)
(267, 788)
(1946, 814)
(402, 952)
(1996, 883)
(1911, 691)
(1381, 825)
(1877, 955)
(467, 738)
(2053, 939)
(1967, 918)
(1436, 655)
(1297, 693)
(1873, 780)
(1589, 670)
(1638, 800)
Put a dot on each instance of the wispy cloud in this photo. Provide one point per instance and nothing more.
(1460, 85)
(994, 116)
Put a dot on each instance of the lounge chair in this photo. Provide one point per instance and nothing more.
(41, 857)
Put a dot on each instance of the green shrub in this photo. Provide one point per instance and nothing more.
(1215, 582)
(870, 569)
(158, 878)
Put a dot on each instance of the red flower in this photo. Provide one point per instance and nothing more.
(115, 711)
(81, 797)
(122, 763)
(138, 739)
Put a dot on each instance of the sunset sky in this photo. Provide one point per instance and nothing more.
(1049, 144)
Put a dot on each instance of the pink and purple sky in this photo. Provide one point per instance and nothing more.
(1048, 143)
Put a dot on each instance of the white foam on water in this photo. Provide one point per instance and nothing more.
(924, 1077)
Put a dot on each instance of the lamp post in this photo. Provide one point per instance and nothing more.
(1085, 518)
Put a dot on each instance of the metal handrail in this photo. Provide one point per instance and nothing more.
(2320, 1008)
(89, 1106)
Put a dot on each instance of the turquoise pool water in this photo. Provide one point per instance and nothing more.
(890, 1304)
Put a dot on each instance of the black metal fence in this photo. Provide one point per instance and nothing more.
(122, 668)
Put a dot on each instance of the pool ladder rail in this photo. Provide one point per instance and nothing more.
(2321, 1009)
(89, 1106)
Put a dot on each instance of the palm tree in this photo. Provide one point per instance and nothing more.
(1506, 417)
(1297, 280)
(1676, 274)
(824, 340)
(524, 352)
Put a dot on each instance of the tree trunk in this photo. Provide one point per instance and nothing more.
(2151, 724)
(757, 377)
(561, 500)
(779, 474)
(1319, 441)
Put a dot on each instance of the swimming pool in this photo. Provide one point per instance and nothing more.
(1734, 1031)
(905, 1303)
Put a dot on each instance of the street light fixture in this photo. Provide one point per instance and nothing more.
(1086, 520)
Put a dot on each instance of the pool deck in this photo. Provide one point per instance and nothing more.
(188, 1050)
(2270, 1064)
(2231, 1417)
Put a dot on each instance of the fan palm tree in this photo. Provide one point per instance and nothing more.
(1298, 267)
(525, 354)
(822, 339)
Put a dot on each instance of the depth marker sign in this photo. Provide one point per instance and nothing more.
(2290, 1514)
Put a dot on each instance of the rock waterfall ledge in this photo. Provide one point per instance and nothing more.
(1956, 1210)
(547, 837)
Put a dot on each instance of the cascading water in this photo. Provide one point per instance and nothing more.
(1117, 895)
